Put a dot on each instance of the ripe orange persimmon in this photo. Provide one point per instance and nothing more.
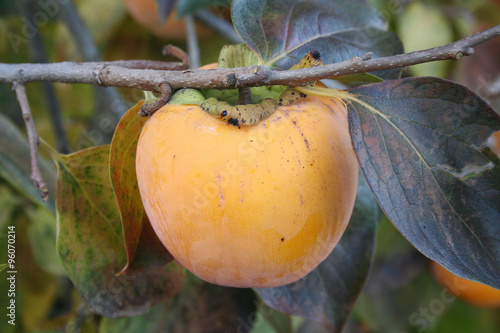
(256, 206)
(474, 293)
(145, 13)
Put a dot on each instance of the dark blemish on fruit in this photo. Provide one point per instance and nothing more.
(282, 239)
(307, 142)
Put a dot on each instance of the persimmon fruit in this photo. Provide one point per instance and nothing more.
(494, 142)
(256, 206)
(474, 293)
(145, 12)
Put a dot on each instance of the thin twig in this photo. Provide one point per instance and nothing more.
(148, 109)
(192, 41)
(36, 175)
(104, 75)
(173, 51)
(218, 24)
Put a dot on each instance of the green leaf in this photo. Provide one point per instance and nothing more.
(329, 292)
(9, 202)
(419, 143)
(90, 244)
(144, 249)
(283, 32)
(239, 55)
(3, 267)
(199, 307)
(42, 233)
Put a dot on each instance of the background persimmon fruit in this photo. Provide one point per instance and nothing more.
(145, 12)
(472, 292)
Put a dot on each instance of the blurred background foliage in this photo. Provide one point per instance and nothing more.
(400, 295)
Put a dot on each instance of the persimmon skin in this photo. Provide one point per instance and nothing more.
(474, 293)
(259, 206)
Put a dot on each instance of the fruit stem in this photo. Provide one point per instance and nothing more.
(244, 96)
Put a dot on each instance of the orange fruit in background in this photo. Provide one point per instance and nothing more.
(145, 12)
(474, 293)
(256, 206)
(494, 142)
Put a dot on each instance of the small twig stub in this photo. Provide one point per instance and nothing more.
(148, 109)
(36, 175)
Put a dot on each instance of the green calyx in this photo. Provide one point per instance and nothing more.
(232, 56)
(187, 96)
(222, 104)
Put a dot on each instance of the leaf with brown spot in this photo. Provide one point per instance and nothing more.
(90, 243)
(144, 249)
(420, 144)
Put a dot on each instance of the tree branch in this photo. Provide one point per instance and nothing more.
(108, 74)
(36, 175)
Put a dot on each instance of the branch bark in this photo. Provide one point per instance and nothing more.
(109, 74)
